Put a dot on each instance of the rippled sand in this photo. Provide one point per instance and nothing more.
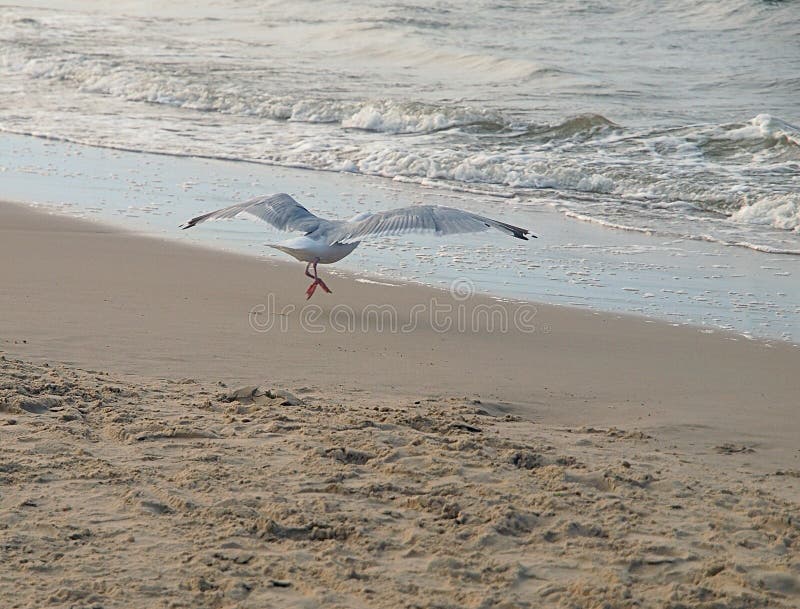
(120, 492)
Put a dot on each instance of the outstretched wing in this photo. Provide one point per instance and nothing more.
(279, 210)
(421, 218)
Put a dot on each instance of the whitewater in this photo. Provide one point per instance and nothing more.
(675, 118)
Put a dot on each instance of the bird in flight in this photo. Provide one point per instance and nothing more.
(327, 241)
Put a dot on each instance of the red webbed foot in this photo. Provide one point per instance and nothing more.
(323, 286)
(313, 288)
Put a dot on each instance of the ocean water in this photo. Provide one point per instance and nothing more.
(674, 118)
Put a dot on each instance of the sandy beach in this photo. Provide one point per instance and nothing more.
(180, 429)
(603, 417)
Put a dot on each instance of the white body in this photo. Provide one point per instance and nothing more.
(311, 250)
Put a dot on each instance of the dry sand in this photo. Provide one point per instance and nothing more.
(600, 461)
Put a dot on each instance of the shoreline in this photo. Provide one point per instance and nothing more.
(444, 187)
(368, 277)
(572, 263)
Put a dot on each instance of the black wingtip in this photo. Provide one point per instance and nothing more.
(524, 235)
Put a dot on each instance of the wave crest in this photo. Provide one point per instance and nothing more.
(776, 211)
(583, 126)
(391, 117)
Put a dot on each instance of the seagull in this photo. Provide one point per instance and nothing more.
(327, 241)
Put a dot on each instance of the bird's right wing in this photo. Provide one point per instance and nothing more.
(279, 210)
(421, 218)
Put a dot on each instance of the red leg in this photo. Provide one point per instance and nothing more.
(317, 281)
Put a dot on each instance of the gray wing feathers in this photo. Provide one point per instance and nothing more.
(421, 218)
(279, 210)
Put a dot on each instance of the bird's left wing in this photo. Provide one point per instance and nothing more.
(279, 210)
(421, 218)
